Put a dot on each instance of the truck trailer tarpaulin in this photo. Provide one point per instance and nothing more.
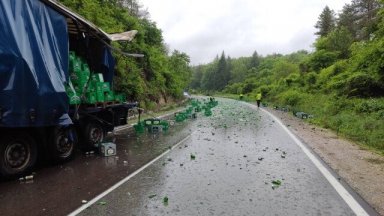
(33, 65)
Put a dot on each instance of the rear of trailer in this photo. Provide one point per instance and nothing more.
(56, 84)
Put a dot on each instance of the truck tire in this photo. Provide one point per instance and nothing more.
(94, 134)
(18, 152)
(62, 144)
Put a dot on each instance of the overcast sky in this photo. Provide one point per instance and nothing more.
(205, 28)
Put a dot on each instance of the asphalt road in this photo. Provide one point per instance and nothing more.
(239, 161)
(60, 189)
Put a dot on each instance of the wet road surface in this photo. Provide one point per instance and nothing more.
(239, 161)
(60, 189)
(236, 162)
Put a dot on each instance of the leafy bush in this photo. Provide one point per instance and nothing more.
(290, 97)
(235, 88)
(362, 85)
(248, 87)
(369, 106)
(292, 78)
(322, 59)
(310, 78)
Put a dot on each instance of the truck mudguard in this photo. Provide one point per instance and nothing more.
(33, 65)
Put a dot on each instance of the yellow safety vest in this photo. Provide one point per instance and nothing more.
(258, 96)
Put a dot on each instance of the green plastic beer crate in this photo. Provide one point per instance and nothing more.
(120, 98)
(90, 98)
(98, 77)
(100, 96)
(72, 55)
(73, 97)
(74, 64)
(78, 88)
(73, 100)
(85, 69)
(109, 96)
(106, 87)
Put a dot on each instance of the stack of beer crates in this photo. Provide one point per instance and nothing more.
(88, 87)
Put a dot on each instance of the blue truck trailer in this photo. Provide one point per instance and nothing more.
(56, 78)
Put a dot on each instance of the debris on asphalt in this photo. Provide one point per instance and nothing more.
(283, 154)
(151, 196)
(102, 203)
(193, 157)
(276, 184)
(165, 200)
(26, 178)
(260, 158)
(84, 201)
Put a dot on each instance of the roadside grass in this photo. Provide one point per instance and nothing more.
(246, 97)
(356, 119)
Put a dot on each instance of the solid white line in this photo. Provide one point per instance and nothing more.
(347, 197)
(94, 200)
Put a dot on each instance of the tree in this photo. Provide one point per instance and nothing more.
(222, 75)
(322, 59)
(347, 19)
(360, 18)
(239, 69)
(197, 76)
(155, 77)
(326, 22)
(337, 41)
(366, 12)
(254, 61)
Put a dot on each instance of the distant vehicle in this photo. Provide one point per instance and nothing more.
(50, 97)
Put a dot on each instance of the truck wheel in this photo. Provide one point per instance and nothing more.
(94, 134)
(62, 144)
(18, 153)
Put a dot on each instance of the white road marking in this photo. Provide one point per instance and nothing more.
(94, 200)
(347, 197)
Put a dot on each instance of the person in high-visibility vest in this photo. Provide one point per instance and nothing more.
(258, 99)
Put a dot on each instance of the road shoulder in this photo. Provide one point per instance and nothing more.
(361, 169)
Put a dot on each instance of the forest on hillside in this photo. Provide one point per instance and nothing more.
(161, 75)
(341, 83)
